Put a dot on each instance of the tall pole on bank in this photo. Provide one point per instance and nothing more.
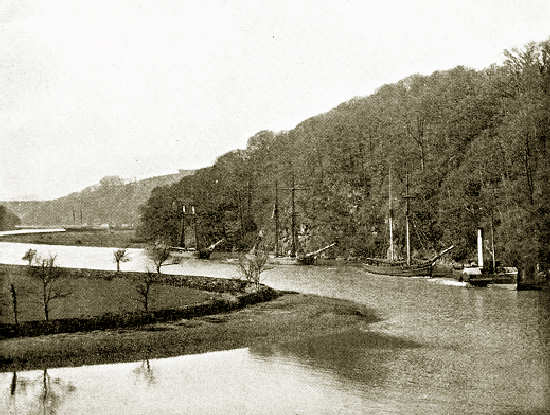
(195, 227)
(182, 235)
(276, 216)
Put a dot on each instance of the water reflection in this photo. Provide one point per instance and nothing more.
(37, 392)
(438, 349)
(353, 355)
(144, 372)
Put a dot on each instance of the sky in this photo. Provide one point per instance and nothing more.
(142, 88)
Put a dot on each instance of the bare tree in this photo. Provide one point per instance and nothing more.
(29, 256)
(49, 275)
(144, 288)
(15, 290)
(120, 255)
(13, 293)
(252, 266)
(158, 253)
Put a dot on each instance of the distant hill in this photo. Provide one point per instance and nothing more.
(8, 219)
(113, 200)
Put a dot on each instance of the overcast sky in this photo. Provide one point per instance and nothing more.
(142, 88)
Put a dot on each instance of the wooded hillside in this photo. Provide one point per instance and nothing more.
(474, 144)
(8, 219)
(112, 201)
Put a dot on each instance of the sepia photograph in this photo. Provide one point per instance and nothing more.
(287, 207)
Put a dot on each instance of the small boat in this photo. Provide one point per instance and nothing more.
(86, 228)
(178, 252)
(307, 259)
(523, 286)
(531, 279)
(495, 274)
(204, 253)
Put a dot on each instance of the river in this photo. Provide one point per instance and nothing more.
(440, 348)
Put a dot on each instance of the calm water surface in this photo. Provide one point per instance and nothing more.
(440, 348)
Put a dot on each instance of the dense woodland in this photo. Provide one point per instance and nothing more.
(473, 144)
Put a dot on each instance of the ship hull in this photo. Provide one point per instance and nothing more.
(399, 270)
(310, 260)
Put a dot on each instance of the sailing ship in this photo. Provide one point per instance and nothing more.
(306, 259)
(392, 265)
(177, 253)
(82, 227)
(293, 258)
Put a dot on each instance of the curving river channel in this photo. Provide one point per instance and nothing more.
(440, 348)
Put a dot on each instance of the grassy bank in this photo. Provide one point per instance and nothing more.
(289, 317)
(119, 238)
(92, 297)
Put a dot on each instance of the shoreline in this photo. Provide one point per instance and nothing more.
(289, 317)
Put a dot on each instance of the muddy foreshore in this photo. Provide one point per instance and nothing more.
(289, 317)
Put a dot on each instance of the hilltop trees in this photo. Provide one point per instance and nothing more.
(8, 219)
(473, 143)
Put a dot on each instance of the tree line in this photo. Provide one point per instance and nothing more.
(8, 219)
(472, 145)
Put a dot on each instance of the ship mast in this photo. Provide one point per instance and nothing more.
(276, 216)
(390, 218)
(407, 236)
(293, 214)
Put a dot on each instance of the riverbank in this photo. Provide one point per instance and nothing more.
(289, 317)
(89, 293)
(100, 238)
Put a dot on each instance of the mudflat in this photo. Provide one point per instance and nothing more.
(289, 317)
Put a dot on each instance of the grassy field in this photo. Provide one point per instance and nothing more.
(91, 297)
(287, 318)
(117, 239)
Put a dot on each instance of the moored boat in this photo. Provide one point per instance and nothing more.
(396, 267)
(400, 268)
(178, 252)
(307, 259)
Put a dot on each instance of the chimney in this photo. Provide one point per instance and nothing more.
(480, 248)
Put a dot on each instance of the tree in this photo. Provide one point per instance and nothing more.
(29, 256)
(158, 253)
(143, 288)
(49, 275)
(252, 266)
(120, 255)
(474, 145)
(158, 220)
(111, 181)
(8, 219)
(13, 293)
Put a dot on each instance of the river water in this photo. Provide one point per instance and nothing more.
(440, 348)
